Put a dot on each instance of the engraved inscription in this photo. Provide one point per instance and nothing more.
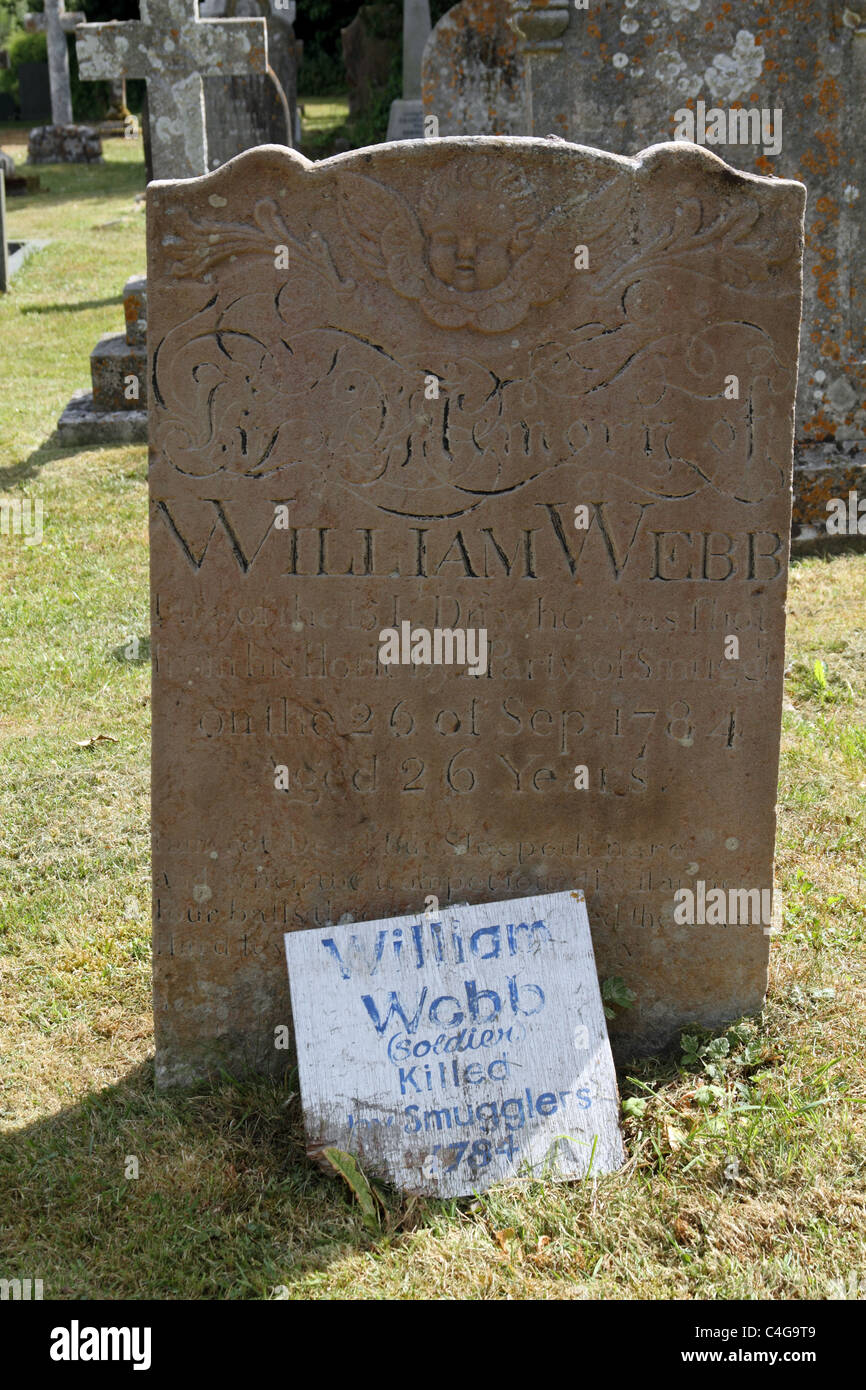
(399, 422)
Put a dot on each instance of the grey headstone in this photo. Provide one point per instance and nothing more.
(34, 92)
(406, 118)
(474, 78)
(406, 121)
(416, 31)
(617, 75)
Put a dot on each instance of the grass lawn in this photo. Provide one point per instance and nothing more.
(745, 1172)
(323, 117)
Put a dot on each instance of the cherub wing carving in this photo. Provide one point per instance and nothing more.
(383, 232)
(549, 265)
(204, 243)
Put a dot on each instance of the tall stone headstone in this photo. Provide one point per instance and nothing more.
(172, 49)
(259, 109)
(465, 390)
(416, 31)
(405, 121)
(773, 89)
(55, 23)
(473, 75)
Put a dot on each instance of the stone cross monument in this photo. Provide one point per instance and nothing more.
(173, 49)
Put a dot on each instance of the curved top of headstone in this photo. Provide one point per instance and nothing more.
(679, 155)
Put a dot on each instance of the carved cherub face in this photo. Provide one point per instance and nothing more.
(475, 234)
(469, 247)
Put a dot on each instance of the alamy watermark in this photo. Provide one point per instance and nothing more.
(20, 1290)
(719, 907)
(22, 516)
(729, 126)
(846, 519)
(439, 646)
(77, 1343)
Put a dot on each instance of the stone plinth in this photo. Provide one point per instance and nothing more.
(64, 144)
(115, 410)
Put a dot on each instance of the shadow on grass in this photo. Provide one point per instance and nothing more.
(199, 1194)
(71, 308)
(226, 1204)
(89, 186)
(831, 548)
(49, 452)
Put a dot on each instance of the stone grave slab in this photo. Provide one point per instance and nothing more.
(450, 1052)
(405, 120)
(64, 144)
(529, 391)
(13, 254)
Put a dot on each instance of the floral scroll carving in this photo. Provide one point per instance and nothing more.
(258, 381)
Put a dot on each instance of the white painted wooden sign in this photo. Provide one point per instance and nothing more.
(454, 1050)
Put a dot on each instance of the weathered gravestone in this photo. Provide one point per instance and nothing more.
(259, 109)
(406, 118)
(55, 23)
(473, 75)
(774, 89)
(448, 1054)
(173, 49)
(381, 386)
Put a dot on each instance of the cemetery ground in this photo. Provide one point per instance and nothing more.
(745, 1170)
